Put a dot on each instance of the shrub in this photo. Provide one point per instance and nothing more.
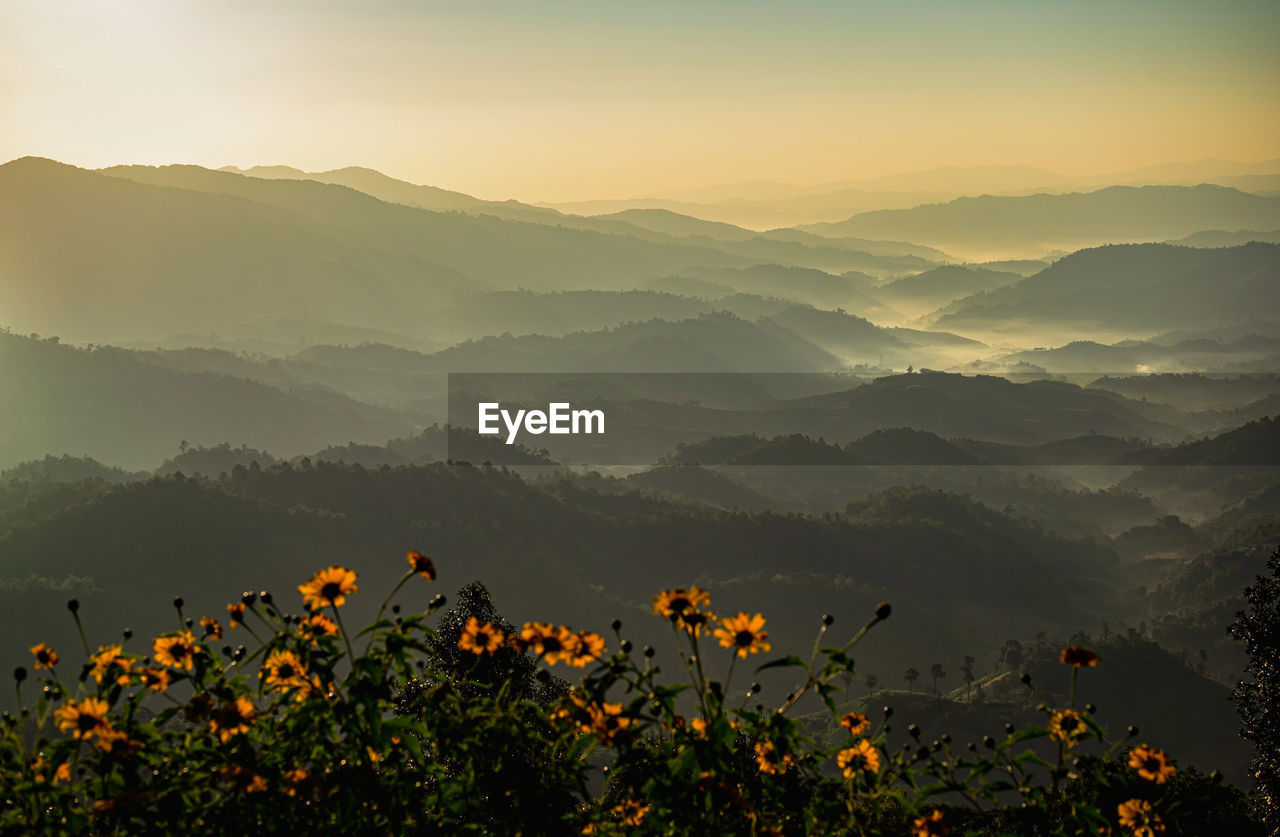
(449, 722)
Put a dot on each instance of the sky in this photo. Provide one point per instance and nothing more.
(558, 100)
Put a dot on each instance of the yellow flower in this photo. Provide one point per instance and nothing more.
(856, 724)
(548, 641)
(328, 588)
(104, 660)
(422, 565)
(930, 825)
(297, 781)
(630, 812)
(605, 720)
(83, 718)
(45, 656)
(284, 670)
(1067, 726)
(178, 651)
(211, 627)
(63, 773)
(235, 614)
(742, 633)
(155, 679)
(768, 761)
(862, 756)
(1152, 764)
(1079, 657)
(125, 665)
(243, 778)
(109, 739)
(694, 621)
(480, 637)
(317, 625)
(587, 647)
(233, 718)
(1139, 817)
(671, 603)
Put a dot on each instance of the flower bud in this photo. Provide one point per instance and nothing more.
(616, 624)
(73, 605)
(828, 619)
(883, 611)
(19, 674)
(178, 602)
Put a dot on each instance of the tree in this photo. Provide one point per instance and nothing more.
(1012, 654)
(936, 672)
(966, 672)
(1256, 699)
(911, 676)
(871, 681)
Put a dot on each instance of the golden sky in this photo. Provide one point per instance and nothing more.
(554, 100)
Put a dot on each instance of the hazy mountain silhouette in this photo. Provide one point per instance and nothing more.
(934, 288)
(718, 342)
(677, 230)
(1221, 238)
(498, 251)
(391, 190)
(812, 287)
(1034, 224)
(118, 409)
(1207, 355)
(94, 257)
(1140, 288)
(1193, 391)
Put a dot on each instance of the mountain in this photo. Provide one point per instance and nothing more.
(1208, 355)
(92, 257)
(1141, 288)
(1193, 391)
(503, 252)
(934, 288)
(1256, 443)
(806, 285)
(905, 446)
(717, 342)
(380, 186)
(1034, 224)
(993, 409)
(1221, 238)
(938, 557)
(110, 405)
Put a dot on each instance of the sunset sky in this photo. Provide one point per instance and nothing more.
(574, 100)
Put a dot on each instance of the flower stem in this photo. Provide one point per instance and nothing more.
(350, 654)
(383, 607)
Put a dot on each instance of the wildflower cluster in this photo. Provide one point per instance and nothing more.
(458, 725)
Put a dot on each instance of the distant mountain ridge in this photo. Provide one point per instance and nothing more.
(1034, 224)
(1134, 288)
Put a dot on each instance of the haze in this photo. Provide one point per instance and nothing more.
(573, 100)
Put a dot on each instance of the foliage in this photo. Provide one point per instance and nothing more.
(1257, 698)
(453, 724)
